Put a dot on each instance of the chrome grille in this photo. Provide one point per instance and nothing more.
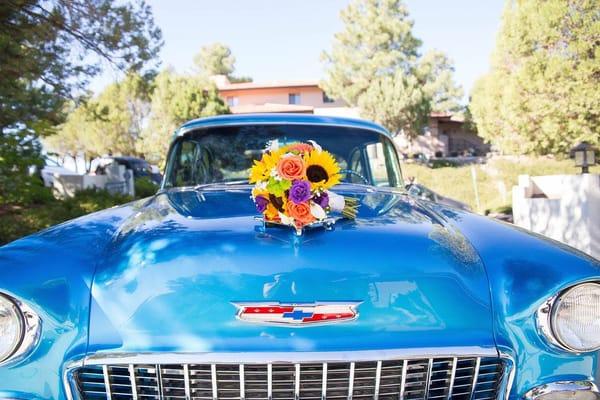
(460, 378)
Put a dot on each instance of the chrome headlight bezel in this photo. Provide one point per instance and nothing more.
(30, 331)
(546, 319)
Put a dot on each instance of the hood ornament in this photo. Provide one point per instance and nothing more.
(297, 314)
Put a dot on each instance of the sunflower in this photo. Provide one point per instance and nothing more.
(322, 170)
(261, 170)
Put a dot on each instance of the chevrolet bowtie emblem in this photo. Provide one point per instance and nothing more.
(297, 314)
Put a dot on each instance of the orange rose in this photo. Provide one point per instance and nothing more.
(291, 168)
(300, 212)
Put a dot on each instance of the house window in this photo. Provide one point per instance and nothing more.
(294, 98)
(232, 101)
(327, 99)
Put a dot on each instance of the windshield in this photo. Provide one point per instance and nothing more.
(225, 154)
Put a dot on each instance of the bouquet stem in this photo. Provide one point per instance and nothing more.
(350, 207)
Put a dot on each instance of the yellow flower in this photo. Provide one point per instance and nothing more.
(256, 191)
(271, 213)
(322, 170)
(261, 170)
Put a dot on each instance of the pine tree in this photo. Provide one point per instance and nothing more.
(375, 65)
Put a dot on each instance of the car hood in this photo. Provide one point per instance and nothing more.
(175, 266)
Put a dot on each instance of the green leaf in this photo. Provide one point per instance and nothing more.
(278, 188)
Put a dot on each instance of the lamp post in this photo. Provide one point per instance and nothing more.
(585, 156)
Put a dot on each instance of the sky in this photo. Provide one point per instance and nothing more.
(283, 39)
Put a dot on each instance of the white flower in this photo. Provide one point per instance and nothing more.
(273, 145)
(317, 211)
(315, 145)
(261, 185)
(275, 174)
(336, 202)
(286, 220)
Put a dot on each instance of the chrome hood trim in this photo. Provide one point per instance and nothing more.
(101, 358)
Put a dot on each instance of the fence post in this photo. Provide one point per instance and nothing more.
(474, 176)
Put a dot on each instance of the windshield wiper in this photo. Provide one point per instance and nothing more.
(219, 184)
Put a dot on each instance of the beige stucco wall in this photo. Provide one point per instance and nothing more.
(309, 96)
(426, 144)
(563, 207)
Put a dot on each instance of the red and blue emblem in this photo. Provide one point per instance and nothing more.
(304, 314)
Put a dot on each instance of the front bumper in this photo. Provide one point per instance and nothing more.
(563, 390)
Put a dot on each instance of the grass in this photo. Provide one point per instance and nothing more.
(495, 179)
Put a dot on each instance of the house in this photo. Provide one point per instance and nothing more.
(302, 96)
(446, 134)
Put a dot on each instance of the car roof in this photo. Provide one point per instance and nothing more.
(286, 119)
(126, 158)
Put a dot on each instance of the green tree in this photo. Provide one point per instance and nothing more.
(48, 52)
(375, 64)
(436, 70)
(217, 59)
(541, 94)
(112, 122)
(175, 100)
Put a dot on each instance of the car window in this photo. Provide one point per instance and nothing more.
(225, 154)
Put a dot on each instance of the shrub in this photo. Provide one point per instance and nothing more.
(144, 187)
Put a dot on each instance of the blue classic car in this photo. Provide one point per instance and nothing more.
(188, 295)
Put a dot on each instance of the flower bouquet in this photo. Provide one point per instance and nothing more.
(292, 182)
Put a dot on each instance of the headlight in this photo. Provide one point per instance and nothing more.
(572, 319)
(20, 330)
(11, 328)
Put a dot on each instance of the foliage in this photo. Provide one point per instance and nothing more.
(217, 59)
(436, 70)
(110, 123)
(495, 179)
(136, 116)
(541, 95)
(18, 221)
(175, 100)
(375, 65)
(144, 187)
(49, 50)
(239, 79)
(18, 153)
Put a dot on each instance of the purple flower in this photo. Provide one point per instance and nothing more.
(322, 199)
(300, 192)
(261, 203)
